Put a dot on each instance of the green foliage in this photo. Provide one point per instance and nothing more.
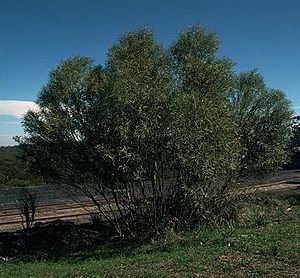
(70, 121)
(140, 87)
(110, 140)
(206, 144)
(13, 171)
(265, 121)
(155, 128)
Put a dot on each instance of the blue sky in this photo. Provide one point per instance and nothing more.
(36, 35)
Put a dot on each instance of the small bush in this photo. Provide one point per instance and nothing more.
(27, 206)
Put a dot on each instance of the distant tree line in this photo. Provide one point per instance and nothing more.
(13, 170)
(161, 134)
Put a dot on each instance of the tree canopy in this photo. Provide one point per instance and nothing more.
(156, 127)
(265, 124)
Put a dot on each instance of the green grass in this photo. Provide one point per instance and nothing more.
(265, 243)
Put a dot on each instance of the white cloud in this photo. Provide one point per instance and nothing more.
(7, 139)
(16, 108)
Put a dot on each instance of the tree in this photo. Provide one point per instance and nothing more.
(104, 131)
(264, 117)
(156, 133)
(205, 135)
(72, 133)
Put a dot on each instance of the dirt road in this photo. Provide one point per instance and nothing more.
(59, 204)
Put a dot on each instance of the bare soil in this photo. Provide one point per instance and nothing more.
(68, 204)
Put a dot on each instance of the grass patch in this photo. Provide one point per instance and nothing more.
(265, 243)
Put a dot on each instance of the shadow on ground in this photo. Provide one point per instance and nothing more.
(65, 240)
(291, 196)
(55, 240)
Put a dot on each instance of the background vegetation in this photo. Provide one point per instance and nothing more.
(13, 170)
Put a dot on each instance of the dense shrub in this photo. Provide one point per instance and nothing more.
(161, 135)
